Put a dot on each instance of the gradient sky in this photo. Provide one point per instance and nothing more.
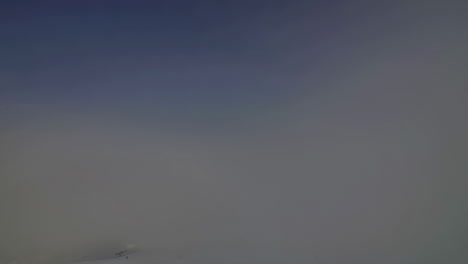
(234, 131)
(211, 54)
(188, 59)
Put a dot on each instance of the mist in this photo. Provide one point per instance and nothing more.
(297, 147)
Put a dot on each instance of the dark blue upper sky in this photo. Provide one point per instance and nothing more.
(180, 56)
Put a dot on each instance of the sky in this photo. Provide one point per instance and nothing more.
(234, 131)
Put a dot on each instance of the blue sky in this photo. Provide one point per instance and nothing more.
(210, 58)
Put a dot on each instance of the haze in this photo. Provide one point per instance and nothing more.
(252, 132)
